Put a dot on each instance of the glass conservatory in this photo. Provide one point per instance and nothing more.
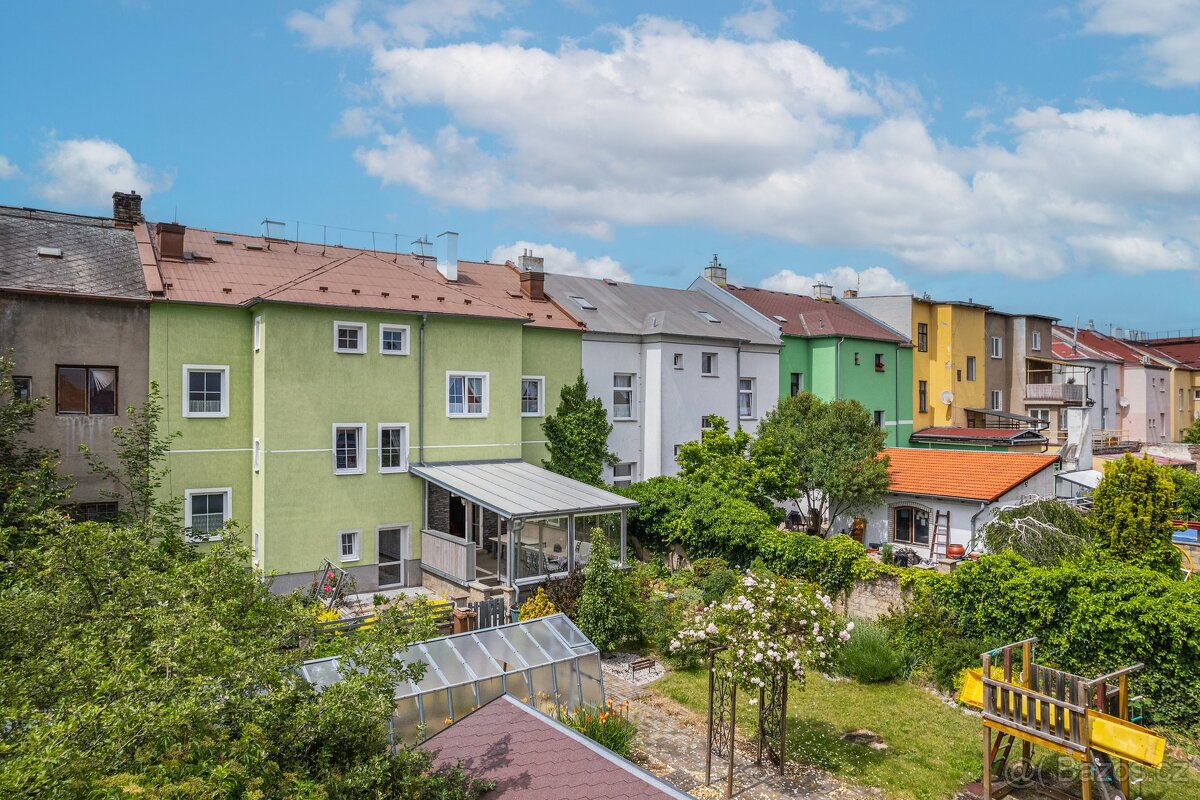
(546, 662)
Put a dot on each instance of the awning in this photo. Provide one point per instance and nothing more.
(517, 490)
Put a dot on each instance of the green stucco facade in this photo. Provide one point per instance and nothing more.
(274, 450)
(845, 367)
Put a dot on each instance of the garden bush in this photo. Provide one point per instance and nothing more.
(703, 567)
(537, 606)
(1092, 615)
(564, 593)
(869, 657)
(608, 608)
(717, 583)
(954, 656)
(832, 563)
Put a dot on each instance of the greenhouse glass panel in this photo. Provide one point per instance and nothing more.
(466, 670)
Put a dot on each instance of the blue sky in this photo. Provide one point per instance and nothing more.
(1036, 156)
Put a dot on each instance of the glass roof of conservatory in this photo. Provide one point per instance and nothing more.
(547, 661)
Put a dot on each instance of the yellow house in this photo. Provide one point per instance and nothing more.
(1182, 356)
(949, 353)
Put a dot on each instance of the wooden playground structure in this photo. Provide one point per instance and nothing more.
(1093, 721)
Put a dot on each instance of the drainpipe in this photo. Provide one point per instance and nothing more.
(896, 370)
(421, 393)
(737, 384)
(837, 371)
(974, 517)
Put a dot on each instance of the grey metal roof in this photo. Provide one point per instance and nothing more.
(630, 308)
(97, 258)
(515, 489)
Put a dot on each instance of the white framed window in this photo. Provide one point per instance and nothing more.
(256, 551)
(205, 512)
(997, 347)
(349, 337)
(349, 545)
(746, 398)
(533, 387)
(205, 390)
(466, 394)
(623, 474)
(708, 364)
(257, 334)
(348, 447)
(678, 361)
(1035, 340)
(1042, 415)
(622, 395)
(706, 423)
(393, 340)
(257, 454)
(393, 447)
(678, 450)
(997, 400)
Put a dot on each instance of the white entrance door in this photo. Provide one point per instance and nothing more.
(394, 550)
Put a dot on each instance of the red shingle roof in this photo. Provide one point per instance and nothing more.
(806, 316)
(967, 474)
(243, 270)
(1185, 351)
(533, 757)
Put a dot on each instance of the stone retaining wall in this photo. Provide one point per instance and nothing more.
(872, 599)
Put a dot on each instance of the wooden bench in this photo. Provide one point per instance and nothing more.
(640, 664)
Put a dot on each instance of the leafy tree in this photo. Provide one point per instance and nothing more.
(737, 467)
(1046, 532)
(1187, 492)
(577, 435)
(608, 610)
(132, 665)
(1133, 506)
(835, 449)
(1191, 434)
(27, 477)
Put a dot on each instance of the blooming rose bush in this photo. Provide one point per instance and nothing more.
(768, 625)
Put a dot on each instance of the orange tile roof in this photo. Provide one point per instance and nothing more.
(250, 268)
(966, 474)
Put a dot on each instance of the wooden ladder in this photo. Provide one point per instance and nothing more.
(941, 534)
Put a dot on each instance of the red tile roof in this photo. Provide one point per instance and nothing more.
(807, 316)
(967, 474)
(244, 270)
(1185, 351)
(533, 757)
(1106, 347)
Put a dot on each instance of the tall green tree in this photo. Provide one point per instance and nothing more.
(27, 474)
(836, 450)
(577, 435)
(608, 610)
(1132, 510)
(1191, 434)
(738, 467)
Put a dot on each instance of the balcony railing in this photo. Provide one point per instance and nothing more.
(449, 556)
(1056, 392)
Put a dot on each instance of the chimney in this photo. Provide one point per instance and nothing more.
(823, 292)
(170, 239)
(127, 208)
(850, 293)
(447, 262)
(715, 273)
(533, 276)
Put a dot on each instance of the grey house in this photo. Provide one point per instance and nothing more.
(74, 311)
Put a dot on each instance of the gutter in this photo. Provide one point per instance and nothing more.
(421, 393)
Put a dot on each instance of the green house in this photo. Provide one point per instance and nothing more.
(831, 349)
(320, 392)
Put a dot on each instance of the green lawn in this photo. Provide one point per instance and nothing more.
(933, 749)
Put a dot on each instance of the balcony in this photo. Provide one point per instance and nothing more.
(1055, 392)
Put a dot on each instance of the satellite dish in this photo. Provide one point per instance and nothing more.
(1123, 402)
(947, 397)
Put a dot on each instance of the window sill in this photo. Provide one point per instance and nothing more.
(207, 415)
(467, 416)
(393, 470)
(351, 352)
(199, 538)
(350, 560)
(532, 415)
(624, 419)
(349, 471)
(709, 375)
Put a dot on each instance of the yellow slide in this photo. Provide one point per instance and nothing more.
(1108, 734)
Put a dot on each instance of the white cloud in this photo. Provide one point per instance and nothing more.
(875, 15)
(1169, 31)
(877, 52)
(758, 20)
(8, 169)
(88, 171)
(869, 281)
(563, 261)
(342, 23)
(767, 138)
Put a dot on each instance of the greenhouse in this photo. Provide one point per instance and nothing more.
(546, 662)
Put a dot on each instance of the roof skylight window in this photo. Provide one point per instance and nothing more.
(583, 303)
(708, 316)
(778, 318)
(50, 252)
(222, 240)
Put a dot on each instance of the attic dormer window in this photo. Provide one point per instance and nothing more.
(708, 316)
(50, 252)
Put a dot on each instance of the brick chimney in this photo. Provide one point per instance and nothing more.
(533, 275)
(170, 239)
(850, 293)
(127, 208)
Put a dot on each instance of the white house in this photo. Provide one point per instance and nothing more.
(664, 360)
(940, 497)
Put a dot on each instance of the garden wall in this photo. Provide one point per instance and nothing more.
(874, 598)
